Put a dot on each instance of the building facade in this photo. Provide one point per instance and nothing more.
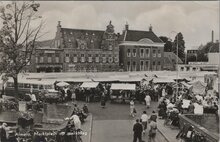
(140, 51)
(78, 50)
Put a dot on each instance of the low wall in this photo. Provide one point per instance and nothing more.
(196, 120)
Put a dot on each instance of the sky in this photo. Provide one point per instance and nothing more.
(195, 20)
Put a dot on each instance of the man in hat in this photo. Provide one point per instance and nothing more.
(3, 134)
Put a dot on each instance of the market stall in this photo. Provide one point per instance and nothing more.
(122, 92)
(89, 84)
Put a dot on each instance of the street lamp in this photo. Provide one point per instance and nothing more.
(177, 73)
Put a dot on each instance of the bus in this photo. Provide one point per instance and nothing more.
(27, 86)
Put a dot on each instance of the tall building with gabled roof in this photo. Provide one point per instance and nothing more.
(82, 50)
(141, 50)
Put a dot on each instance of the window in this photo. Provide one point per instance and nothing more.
(134, 52)
(128, 66)
(103, 59)
(159, 53)
(41, 59)
(27, 86)
(147, 64)
(128, 53)
(75, 58)
(49, 58)
(147, 51)
(194, 69)
(35, 86)
(67, 58)
(154, 53)
(82, 58)
(134, 66)
(182, 68)
(90, 58)
(116, 59)
(96, 58)
(158, 65)
(36, 60)
(141, 52)
(110, 59)
(187, 68)
(154, 65)
(142, 65)
(57, 58)
(58, 43)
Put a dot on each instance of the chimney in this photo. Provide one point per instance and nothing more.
(150, 28)
(212, 36)
(126, 26)
(59, 24)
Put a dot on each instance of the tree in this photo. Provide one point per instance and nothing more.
(181, 46)
(204, 50)
(168, 43)
(18, 36)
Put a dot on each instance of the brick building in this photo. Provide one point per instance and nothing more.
(78, 50)
(140, 50)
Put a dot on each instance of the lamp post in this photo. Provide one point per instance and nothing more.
(177, 71)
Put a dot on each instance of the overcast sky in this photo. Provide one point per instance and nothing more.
(195, 20)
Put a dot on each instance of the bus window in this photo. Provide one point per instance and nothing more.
(35, 86)
(27, 86)
(48, 86)
(41, 87)
(10, 84)
(20, 85)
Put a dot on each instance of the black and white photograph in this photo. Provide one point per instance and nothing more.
(109, 71)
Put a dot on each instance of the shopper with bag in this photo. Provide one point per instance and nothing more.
(152, 131)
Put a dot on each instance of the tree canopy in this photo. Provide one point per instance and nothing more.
(21, 28)
(167, 45)
(181, 46)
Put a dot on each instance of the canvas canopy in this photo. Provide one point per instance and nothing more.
(89, 84)
(163, 80)
(62, 84)
(186, 85)
(130, 79)
(104, 79)
(198, 87)
(121, 86)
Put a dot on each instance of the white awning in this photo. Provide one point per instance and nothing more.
(121, 86)
(75, 79)
(186, 85)
(104, 79)
(130, 79)
(163, 80)
(89, 84)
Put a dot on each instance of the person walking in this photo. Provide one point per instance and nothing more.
(147, 101)
(137, 129)
(153, 116)
(152, 131)
(3, 133)
(144, 120)
(132, 108)
(103, 100)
